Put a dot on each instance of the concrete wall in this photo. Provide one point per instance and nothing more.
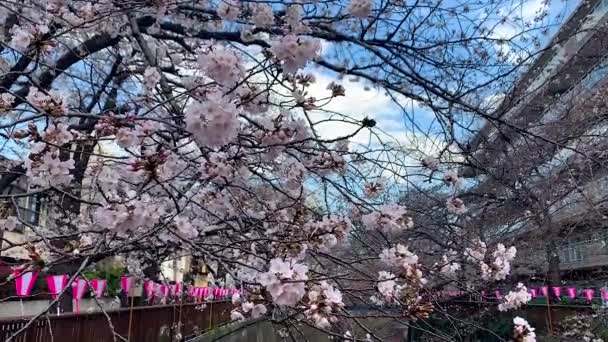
(33, 307)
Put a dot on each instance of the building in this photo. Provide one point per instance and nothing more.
(185, 269)
(541, 167)
(34, 211)
(31, 210)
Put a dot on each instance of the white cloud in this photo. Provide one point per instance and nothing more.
(362, 100)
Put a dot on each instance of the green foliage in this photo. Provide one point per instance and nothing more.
(600, 324)
(112, 274)
(502, 327)
(188, 278)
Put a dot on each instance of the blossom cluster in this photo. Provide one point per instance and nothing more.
(390, 218)
(449, 267)
(295, 51)
(214, 121)
(388, 288)
(222, 65)
(456, 206)
(285, 281)
(323, 301)
(52, 102)
(246, 308)
(9, 223)
(515, 299)
(522, 331)
(398, 256)
(24, 36)
(325, 234)
(217, 168)
(500, 267)
(502, 261)
(262, 15)
(49, 170)
(229, 10)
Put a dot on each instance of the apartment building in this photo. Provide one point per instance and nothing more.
(547, 170)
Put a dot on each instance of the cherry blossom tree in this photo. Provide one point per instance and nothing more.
(155, 129)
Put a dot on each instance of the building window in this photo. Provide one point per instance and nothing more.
(30, 212)
(572, 252)
(28, 208)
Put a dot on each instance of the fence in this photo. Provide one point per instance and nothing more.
(151, 323)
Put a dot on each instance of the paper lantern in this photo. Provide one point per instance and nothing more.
(126, 284)
(588, 294)
(571, 292)
(79, 286)
(99, 287)
(56, 284)
(24, 282)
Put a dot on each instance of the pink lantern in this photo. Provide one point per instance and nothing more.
(79, 286)
(483, 293)
(604, 292)
(534, 293)
(498, 296)
(544, 291)
(164, 290)
(24, 282)
(588, 294)
(126, 284)
(99, 287)
(56, 284)
(175, 289)
(557, 291)
(149, 287)
(571, 292)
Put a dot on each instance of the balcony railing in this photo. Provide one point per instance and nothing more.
(582, 254)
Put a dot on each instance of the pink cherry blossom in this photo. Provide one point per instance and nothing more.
(229, 10)
(456, 206)
(262, 15)
(222, 65)
(151, 78)
(214, 121)
(9, 223)
(295, 51)
(522, 331)
(515, 299)
(21, 39)
(451, 178)
(285, 281)
(389, 218)
(323, 301)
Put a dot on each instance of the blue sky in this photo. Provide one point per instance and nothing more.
(363, 100)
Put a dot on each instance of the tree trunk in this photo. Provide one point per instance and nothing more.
(553, 272)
